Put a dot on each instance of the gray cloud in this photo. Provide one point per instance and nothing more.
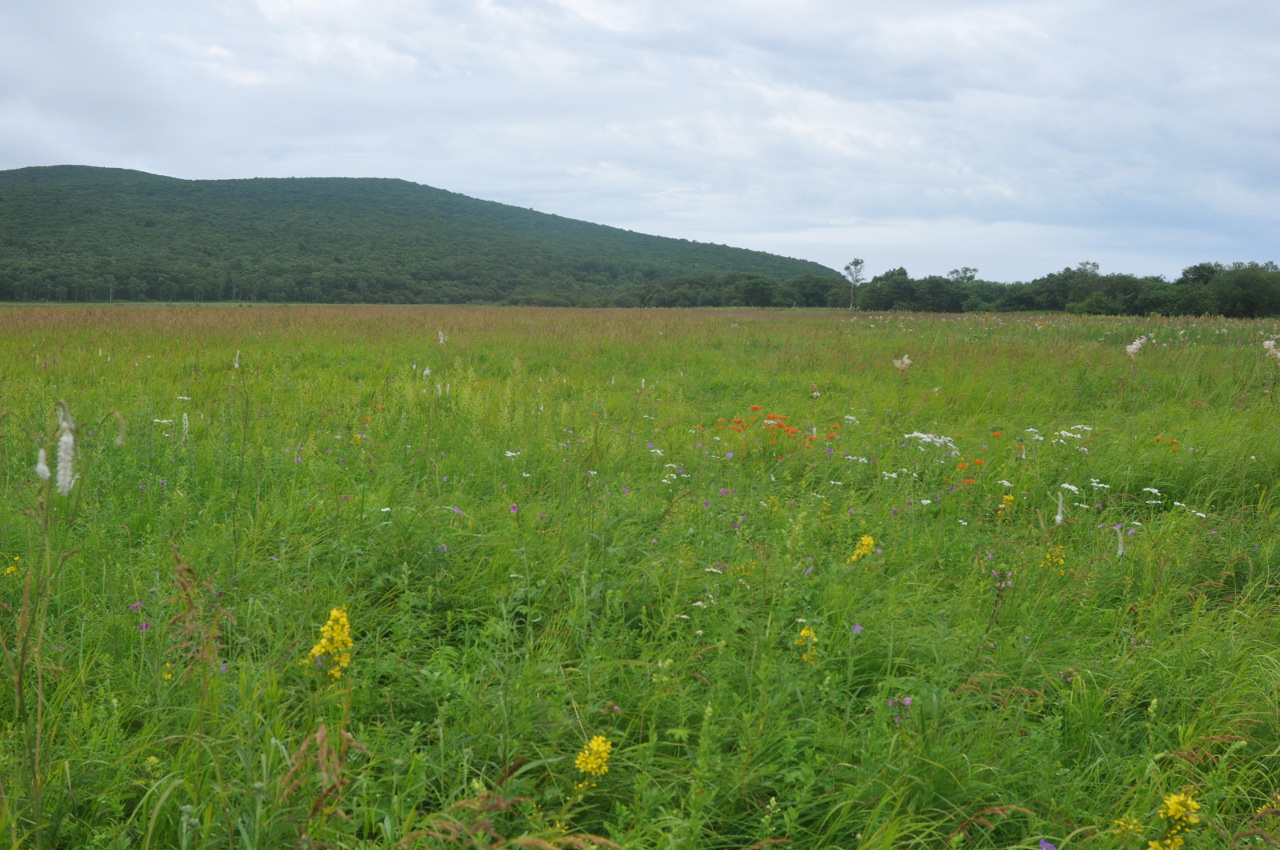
(1017, 137)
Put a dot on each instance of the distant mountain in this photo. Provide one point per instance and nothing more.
(80, 233)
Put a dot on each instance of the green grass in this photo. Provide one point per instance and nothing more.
(561, 532)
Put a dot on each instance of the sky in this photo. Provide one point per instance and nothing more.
(1012, 136)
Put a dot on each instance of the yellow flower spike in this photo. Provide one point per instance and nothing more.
(809, 640)
(594, 758)
(866, 545)
(333, 653)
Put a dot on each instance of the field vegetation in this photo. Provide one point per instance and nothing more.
(420, 577)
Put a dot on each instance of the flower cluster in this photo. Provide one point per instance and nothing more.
(866, 545)
(1270, 346)
(594, 758)
(904, 703)
(1179, 813)
(809, 640)
(1134, 347)
(333, 653)
(1056, 557)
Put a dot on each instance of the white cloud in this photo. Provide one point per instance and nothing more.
(1018, 137)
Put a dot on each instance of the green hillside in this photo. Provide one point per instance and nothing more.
(79, 233)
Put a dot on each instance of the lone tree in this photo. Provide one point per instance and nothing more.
(853, 271)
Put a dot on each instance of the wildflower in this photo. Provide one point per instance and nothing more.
(1134, 347)
(1127, 827)
(1045, 845)
(866, 545)
(809, 640)
(1180, 808)
(144, 626)
(594, 758)
(66, 459)
(42, 465)
(903, 365)
(333, 653)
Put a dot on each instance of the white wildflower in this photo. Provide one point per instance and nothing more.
(1134, 347)
(42, 465)
(66, 461)
(1072, 488)
(903, 364)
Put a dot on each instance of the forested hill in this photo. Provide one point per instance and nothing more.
(95, 234)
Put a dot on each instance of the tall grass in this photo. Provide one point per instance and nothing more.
(557, 525)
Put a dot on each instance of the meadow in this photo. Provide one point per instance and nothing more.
(418, 577)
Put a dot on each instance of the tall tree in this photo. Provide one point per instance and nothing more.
(853, 271)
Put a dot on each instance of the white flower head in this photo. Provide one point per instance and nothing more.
(66, 460)
(903, 364)
(42, 465)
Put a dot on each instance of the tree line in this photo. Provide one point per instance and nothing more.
(75, 233)
(1237, 290)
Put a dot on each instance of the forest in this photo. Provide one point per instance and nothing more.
(87, 234)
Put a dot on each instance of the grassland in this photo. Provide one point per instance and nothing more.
(1007, 596)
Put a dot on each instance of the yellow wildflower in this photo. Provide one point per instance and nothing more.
(866, 545)
(333, 653)
(1180, 807)
(1127, 827)
(1055, 557)
(1170, 843)
(809, 640)
(594, 758)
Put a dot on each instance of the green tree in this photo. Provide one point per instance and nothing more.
(853, 271)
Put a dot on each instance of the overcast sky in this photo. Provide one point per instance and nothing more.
(1017, 137)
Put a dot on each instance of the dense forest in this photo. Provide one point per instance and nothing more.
(76, 233)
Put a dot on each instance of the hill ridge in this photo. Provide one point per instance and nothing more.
(78, 232)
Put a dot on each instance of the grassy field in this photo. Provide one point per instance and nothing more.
(425, 577)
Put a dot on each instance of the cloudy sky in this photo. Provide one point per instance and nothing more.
(1014, 136)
